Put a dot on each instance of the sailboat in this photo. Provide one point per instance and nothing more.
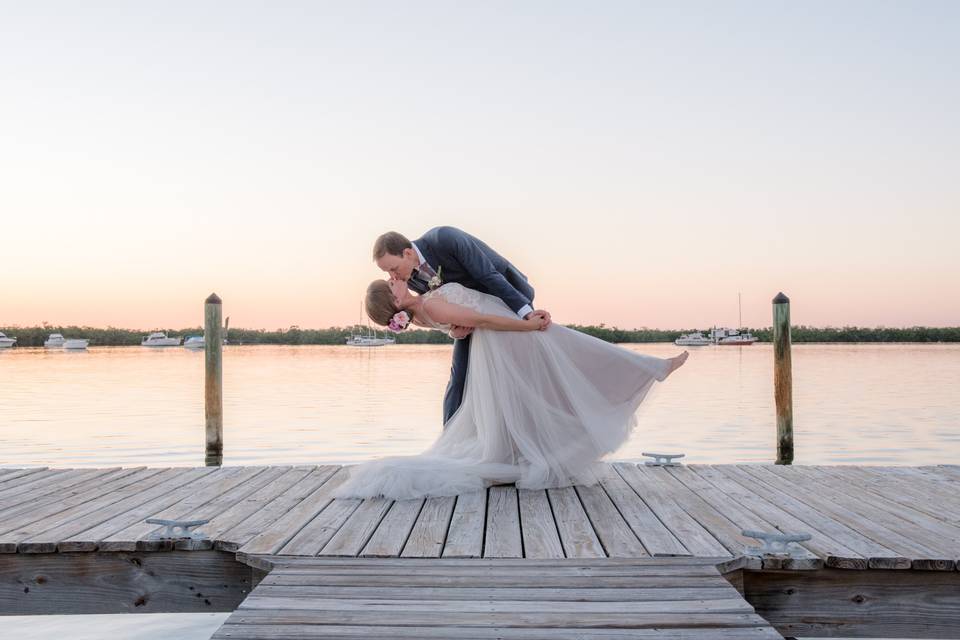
(370, 339)
(198, 342)
(733, 337)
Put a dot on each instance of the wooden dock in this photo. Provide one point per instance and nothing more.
(507, 562)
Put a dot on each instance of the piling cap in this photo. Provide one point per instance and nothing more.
(215, 299)
(781, 299)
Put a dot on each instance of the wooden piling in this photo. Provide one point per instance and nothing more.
(213, 397)
(783, 378)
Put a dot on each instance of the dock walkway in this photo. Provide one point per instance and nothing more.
(860, 518)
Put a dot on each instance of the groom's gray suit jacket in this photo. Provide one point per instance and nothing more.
(464, 259)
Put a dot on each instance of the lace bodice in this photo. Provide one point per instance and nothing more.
(454, 293)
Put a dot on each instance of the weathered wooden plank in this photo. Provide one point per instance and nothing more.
(725, 518)
(85, 583)
(209, 487)
(691, 533)
(656, 538)
(773, 509)
(357, 530)
(465, 535)
(250, 631)
(706, 565)
(243, 510)
(908, 486)
(390, 607)
(430, 530)
(946, 535)
(292, 522)
(9, 472)
(573, 570)
(941, 538)
(490, 580)
(248, 481)
(660, 620)
(388, 539)
(231, 498)
(58, 513)
(318, 532)
(45, 483)
(503, 536)
(612, 530)
(853, 513)
(102, 510)
(28, 478)
(68, 485)
(135, 509)
(286, 503)
(584, 594)
(576, 532)
(878, 556)
(858, 604)
(539, 529)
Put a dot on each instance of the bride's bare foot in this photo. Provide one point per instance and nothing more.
(677, 361)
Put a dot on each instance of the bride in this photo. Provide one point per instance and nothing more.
(540, 408)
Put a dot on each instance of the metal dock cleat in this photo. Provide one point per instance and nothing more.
(777, 544)
(663, 459)
(177, 529)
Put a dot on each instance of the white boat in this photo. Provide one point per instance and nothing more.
(75, 344)
(159, 339)
(368, 341)
(194, 342)
(5, 342)
(692, 340)
(736, 339)
(733, 337)
(55, 341)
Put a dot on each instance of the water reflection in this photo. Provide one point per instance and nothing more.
(133, 406)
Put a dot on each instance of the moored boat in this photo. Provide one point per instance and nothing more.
(159, 339)
(55, 341)
(692, 340)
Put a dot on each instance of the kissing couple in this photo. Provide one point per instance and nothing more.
(529, 401)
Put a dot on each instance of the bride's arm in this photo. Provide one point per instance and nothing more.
(444, 312)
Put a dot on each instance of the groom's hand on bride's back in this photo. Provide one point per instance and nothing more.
(542, 314)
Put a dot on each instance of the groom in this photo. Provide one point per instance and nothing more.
(447, 254)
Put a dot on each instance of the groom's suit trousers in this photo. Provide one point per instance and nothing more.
(458, 378)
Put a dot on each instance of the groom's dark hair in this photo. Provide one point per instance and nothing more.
(391, 242)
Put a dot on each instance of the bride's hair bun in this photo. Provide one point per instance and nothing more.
(379, 303)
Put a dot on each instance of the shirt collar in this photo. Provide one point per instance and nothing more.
(419, 254)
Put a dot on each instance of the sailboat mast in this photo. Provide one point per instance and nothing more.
(739, 310)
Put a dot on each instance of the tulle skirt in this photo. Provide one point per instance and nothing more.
(540, 409)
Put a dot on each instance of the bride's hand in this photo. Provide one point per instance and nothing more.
(536, 322)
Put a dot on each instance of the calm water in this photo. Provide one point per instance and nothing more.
(896, 404)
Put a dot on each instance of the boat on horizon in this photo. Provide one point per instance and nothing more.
(159, 339)
(370, 339)
(57, 341)
(5, 342)
(732, 337)
(194, 342)
(696, 339)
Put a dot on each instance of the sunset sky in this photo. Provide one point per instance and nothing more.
(641, 162)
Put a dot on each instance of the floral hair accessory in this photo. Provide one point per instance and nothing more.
(437, 280)
(399, 321)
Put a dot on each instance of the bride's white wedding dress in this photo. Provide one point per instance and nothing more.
(540, 408)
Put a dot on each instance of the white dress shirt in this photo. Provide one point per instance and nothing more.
(423, 261)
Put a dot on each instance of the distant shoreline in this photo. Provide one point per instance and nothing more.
(114, 337)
